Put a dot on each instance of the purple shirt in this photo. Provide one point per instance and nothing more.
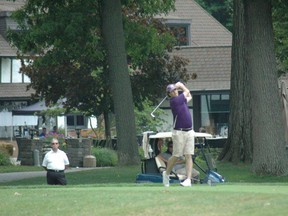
(180, 112)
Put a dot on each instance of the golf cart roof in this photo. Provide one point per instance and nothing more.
(169, 135)
(161, 135)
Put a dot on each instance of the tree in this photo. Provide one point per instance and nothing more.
(65, 44)
(221, 10)
(120, 82)
(64, 47)
(144, 122)
(280, 25)
(269, 147)
(254, 62)
(239, 143)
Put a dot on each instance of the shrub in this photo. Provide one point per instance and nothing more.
(4, 159)
(6, 147)
(105, 156)
(141, 152)
(48, 138)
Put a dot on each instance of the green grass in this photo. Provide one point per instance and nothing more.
(232, 173)
(132, 199)
(11, 168)
(113, 191)
(241, 174)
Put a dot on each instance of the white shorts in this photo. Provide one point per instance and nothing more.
(183, 142)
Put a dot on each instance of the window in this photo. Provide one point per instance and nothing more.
(74, 121)
(215, 112)
(10, 105)
(5, 70)
(70, 121)
(181, 28)
(10, 71)
(16, 76)
(80, 120)
(181, 34)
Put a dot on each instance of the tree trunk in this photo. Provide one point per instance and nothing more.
(107, 129)
(119, 78)
(269, 153)
(239, 144)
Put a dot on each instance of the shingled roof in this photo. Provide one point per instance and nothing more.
(6, 50)
(211, 64)
(10, 91)
(209, 53)
(14, 91)
(210, 50)
(6, 7)
(11, 5)
(205, 29)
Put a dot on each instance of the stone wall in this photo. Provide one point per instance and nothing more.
(76, 150)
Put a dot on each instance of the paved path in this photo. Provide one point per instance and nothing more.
(6, 177)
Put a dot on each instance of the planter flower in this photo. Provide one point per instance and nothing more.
(61, 139)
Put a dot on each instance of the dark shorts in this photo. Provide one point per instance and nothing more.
(56, 178)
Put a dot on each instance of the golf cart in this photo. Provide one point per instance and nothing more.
(152, 167)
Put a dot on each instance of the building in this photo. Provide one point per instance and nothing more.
(207, 44)
(16, 107)
(13, 94)
(202, 39)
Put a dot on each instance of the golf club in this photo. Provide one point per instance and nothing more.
(193, 77)
(152, 113)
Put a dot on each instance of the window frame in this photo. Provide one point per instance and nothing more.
(181, 23)
(10, 68)
(75, 121)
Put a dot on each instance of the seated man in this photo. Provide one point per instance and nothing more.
(179, 167)
(43, 134)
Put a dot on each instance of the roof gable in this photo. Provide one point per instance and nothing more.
(6, 8)
(210, 50)
(205, 30)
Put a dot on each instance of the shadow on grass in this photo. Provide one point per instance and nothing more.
(127, 175)
(111, 175)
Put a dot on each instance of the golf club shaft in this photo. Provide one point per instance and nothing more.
(152, 113)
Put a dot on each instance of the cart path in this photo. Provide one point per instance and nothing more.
(14, 176)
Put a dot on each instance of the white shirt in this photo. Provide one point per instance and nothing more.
(55, 160)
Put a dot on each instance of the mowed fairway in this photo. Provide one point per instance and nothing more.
(146, 199)
(113, 191)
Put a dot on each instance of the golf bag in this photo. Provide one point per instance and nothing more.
(213, 177)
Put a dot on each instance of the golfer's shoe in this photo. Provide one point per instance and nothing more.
(166, 179)
(186, 183)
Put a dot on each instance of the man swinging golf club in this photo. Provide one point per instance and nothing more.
(182, 134)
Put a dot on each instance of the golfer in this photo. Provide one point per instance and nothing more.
(182, 134)
(55, 162)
